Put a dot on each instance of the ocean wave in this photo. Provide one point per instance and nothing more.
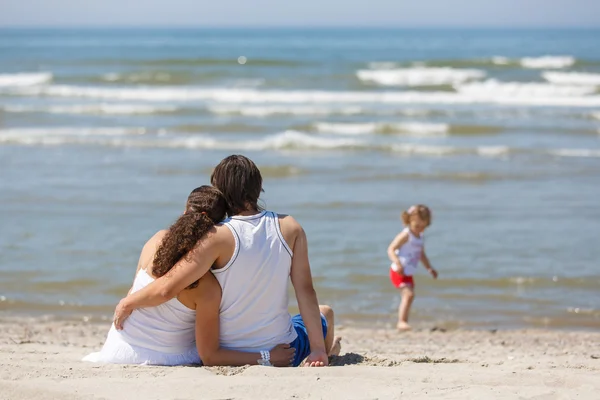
(138, 76)
(111, 109)
(285, 141)
(411, 128)
(580, 282)
(288, 140)
(295, 140)
(420, 76)
(489, 92)
(493, 88)
(265, 111)
(500, 60)
(552, 62)
(24, 79)
(467, 177)
(382, 65)
(579, 153)
(586, 311)
(234, 61)
(572, 78)
(226, 126)
(429, 150)
(56, 135)
(544, 62)
(595, 115)
(143, 77)
(173, 78)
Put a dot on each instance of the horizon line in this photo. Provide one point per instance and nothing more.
(315, 26)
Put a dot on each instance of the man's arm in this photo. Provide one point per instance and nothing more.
(188, 270)
(306, 295)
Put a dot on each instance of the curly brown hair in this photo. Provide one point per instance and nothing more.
(205, 207)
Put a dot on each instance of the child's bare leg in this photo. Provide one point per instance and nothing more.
(408, 295)
(332, 343)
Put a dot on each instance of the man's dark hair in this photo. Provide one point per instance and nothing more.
(240, 181)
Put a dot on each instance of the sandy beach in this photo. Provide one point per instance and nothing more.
(41, 359)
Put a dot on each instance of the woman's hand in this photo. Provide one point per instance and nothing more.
(122, 312)
(433, 273)
(282, 355)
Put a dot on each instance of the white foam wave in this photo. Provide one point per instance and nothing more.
(411, 128)
(114, 109)
(595, 115)
(57, 136)
(420, 76)
(382, 65)
(299, 140)
(572, 78)
(265, 111)
(575, 152)
(24, 79)
(429, 150)
(38, 132)
(138, 77)
(269, 110)
(490, 92)
(500, 60)
(288, 140)
(493, 151)
(554, 62)
(115, 137)
(495, 89)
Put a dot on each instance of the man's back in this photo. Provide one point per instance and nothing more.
(254, 304)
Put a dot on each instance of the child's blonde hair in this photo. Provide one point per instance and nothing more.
(421, 210)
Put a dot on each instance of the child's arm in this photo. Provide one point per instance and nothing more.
(398, 242)
(427, 264)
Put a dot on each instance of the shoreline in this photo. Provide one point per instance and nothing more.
(418, 323)
(41, 359)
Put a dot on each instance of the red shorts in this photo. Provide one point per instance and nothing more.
(401, 280)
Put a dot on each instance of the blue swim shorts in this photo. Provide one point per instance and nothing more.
(301, 344)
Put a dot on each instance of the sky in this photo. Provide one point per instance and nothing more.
(299, 13)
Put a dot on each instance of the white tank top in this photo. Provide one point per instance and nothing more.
(167, 328)
(254, 303)
(410, 253)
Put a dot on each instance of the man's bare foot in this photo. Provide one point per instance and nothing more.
(403, 327)
(336, 347)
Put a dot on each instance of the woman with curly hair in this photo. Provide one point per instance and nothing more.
(185, 329)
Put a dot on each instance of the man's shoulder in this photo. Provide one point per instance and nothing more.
(289, 223)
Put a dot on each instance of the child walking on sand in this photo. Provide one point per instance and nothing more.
(405, 252)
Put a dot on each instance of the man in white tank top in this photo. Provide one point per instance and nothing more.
(252, 254)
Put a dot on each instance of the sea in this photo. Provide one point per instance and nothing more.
(104, 132)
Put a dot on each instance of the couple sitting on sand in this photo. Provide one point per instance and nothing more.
(177, 313)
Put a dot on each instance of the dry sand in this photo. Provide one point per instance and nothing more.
(41, 360)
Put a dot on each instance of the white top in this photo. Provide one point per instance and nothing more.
(162, 335)
(410, 253)
(254, 303)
